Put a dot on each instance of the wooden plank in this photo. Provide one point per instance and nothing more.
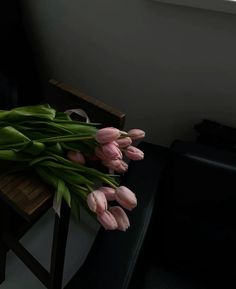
(26, 194)
(63, 97)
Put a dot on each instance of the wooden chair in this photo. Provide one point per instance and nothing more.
(25, 198)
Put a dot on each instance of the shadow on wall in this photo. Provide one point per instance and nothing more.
(19, 81)
(166, 67)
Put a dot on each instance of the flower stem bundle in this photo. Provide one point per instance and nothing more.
(58, 149)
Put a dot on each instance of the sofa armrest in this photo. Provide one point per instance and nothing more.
(207, 155)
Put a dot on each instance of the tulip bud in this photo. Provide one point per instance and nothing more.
(76, 157)
(100, 154)
(111, 151)
(107, 134)
(107, 220)
(124, 142)
(117, 165)
(134, 153)
(97, 201)
(109, 192)
(136, 133)
(126, 198)
(121, 218)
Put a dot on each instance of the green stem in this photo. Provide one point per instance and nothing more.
(89, 188)
(65, 138)
(109, 182)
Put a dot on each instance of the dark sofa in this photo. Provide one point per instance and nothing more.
(191, 241)
(183, 231)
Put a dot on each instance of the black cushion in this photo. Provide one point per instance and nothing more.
(197, 214)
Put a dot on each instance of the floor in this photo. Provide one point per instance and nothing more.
(38, 242)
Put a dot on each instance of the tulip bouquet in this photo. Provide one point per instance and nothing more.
(62, 152)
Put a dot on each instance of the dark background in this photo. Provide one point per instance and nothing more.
(19, 81)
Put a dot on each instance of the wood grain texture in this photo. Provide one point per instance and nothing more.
(26, 194)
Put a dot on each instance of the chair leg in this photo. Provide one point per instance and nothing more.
(54, 278)
(60, 234)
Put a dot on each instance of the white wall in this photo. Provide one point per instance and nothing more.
(167, 67)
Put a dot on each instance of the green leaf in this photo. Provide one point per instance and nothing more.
(35, 135)
(48, 163)
(70, 176)
(47, 176)
(65, 138)
(51, 179)
(11, 155)
(75, 207)
(63, 191)
(40, 159)
(56, 148)
(92, 124)
(79, 190)
(61, 116)
(91, 173)
(26, 112)
(48, 125)
(66, 127)
(35, 148)
(80, 146)
(77, 167)
(10, 138)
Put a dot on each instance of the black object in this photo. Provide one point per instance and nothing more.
(8, 93)
(194, 244)
(216, 134)
(18, 71)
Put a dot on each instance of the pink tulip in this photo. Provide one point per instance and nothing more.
(76, 157)
(134, 153)
(136, 133)
(126, 198)
(109, 192)
(97, 201)
(124, 142)
(107, 220)
(111, 151)
(117, 165)
(107, 134)
(121, 218)
(100, 154)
